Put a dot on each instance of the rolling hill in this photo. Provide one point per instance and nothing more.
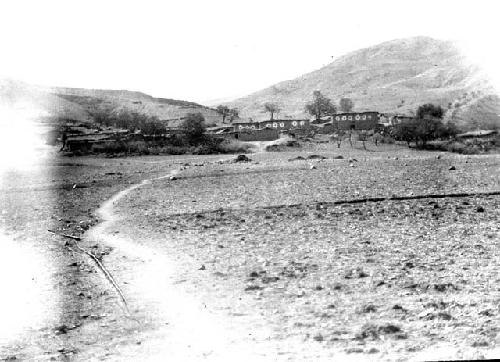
(55, 103)
(392, 77)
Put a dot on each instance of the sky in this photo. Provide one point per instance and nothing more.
(218, 49)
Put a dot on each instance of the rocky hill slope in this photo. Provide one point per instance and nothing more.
(394, 77)
(54, 103)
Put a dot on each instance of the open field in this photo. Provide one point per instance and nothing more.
(268, 242)
(294, 259)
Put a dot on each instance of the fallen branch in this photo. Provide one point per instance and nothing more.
(105, 271)
(65, 235)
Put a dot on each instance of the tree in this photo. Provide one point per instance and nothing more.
(194, 127)
(430, 110)
(320, 106)
(271, 108)
(224, 111)
(346, 105)
(233, 114)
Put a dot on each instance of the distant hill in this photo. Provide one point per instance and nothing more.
(392, 77)
(55, 103)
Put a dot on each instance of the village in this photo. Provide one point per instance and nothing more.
(249, 181)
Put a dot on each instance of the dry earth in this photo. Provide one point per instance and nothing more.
(260, 260)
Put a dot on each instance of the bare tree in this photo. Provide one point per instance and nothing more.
(346, 105)
(271, 108)
(224, 111)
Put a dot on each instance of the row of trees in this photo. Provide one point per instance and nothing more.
(320, 106)
(131, 121)
(426, 126)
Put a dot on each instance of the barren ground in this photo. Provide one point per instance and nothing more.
(264, 259)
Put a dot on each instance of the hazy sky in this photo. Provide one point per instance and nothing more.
(203, 50)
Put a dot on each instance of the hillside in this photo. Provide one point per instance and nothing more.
(53, 103)
(392, 77)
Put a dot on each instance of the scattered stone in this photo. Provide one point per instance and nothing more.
(444, 286)
(354, 350)
(318, 337)
(337, 286)
(267, 280)
(253, 287)
(316, 157)
(369, 308)
(372, 331)
(242, 158)
(480, 343)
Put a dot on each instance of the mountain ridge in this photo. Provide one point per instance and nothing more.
(395, 76)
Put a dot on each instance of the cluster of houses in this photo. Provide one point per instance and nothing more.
(83, 136)
(272, 129)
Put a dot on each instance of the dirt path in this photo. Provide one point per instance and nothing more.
(183, 327)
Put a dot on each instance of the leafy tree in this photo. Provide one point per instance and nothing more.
(224, 111)
(271, 108)
(405, 131)
(346, 105)
(194, 127)
(320, 106)
(430, 110)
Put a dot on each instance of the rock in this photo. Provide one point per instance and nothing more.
(312, 167)
(298, 158)
(318, 337)
(354, 350)
(438, 157)
(480, 343)
(242, 158)
(316, 157)
(338, 157)
(252, 287)
(369, 308)
(480, 209)
(202, 267)
(372, 350)
(351, 165)
(172, 178)
(452, 168)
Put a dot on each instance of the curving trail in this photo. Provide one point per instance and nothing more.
(185, 330)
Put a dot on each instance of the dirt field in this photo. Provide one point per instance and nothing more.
(276, 258)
